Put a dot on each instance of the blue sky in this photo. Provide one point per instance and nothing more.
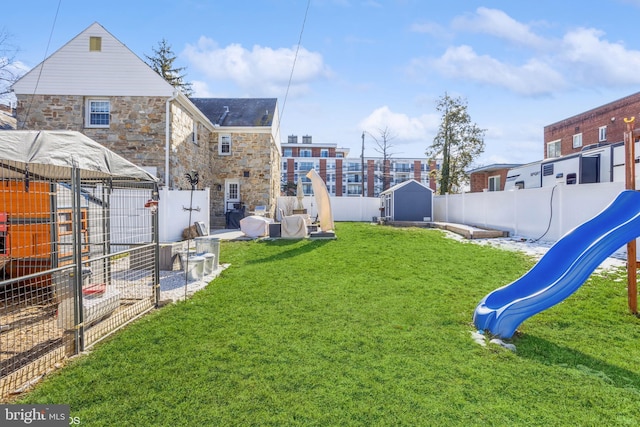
(366, 65)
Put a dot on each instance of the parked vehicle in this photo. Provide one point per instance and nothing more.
(595, 163)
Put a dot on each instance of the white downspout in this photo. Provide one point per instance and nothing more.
(167, 137)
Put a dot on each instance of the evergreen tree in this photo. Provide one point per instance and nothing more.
(458, 143)
(162, 63)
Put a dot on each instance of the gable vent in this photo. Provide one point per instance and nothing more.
(95, 44)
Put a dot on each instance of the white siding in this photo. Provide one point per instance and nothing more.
(74, 70)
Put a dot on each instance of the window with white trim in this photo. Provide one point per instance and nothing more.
(553, 149)
(577, 140)
(224, 144)
(288, 152)
(602, 134)
(97, 113)
(305, 152)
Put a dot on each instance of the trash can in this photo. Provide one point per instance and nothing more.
(195, 268)
(209, 260)
(211, 245)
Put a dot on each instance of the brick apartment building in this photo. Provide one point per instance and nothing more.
(600, 125)
(342, 174)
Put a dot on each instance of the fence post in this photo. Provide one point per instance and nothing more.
(77, 259)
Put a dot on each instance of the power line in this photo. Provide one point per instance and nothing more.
(46, 52)
(295, 58)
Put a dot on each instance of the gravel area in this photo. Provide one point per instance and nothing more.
(173, 285)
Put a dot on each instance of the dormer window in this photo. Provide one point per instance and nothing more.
(95, 44)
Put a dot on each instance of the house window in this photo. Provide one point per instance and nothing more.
(98, 113)
(305, 153)
(95, 44)
(324, 153)
(553, 149)
(577, 140)
(288, 152)
(224, 145)
(602, 134)
(494, 183)
(194, 134)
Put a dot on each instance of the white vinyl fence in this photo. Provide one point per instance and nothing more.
(173, 212)
(343, 208)
(538, 213)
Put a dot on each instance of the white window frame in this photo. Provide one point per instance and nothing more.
(89, 107)
(554, 148)
(602, 134)
(494, 183)
(194, 134)
(222, 142)
(288, 152)
(305, 152)
(577, 140)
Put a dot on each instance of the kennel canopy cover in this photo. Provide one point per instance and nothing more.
(51, 154)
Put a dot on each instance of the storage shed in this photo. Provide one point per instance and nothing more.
(407, 201)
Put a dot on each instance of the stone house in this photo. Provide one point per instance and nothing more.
(94, 84)
(247, 166)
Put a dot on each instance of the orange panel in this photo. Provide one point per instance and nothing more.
(30, 240)
(16, 202)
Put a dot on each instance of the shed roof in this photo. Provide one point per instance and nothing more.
(51, 155)
(238, 112)
(404, 184)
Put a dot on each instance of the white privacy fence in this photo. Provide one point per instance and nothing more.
(343, 208)
(173, 210)
(532, 213)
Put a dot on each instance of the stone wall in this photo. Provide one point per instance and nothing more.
(137, 132)
(255, 162)
(188, 155)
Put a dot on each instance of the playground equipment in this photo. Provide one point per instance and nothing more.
(570, 261)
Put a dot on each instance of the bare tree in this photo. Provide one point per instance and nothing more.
(9, 71)
(384, 146)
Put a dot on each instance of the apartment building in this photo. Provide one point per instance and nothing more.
(343, 174)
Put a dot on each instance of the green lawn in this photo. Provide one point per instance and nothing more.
(371, 329)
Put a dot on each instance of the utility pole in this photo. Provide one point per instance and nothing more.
(362, 163)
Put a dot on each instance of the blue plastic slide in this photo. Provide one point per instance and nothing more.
(563, 269)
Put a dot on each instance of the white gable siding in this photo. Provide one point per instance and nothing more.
(74, 70)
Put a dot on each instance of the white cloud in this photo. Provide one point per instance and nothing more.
(430, 28)
(407, 129)
(534, 77)
(593, 60)
(581, 56)
(497, 23)
(261, 71)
